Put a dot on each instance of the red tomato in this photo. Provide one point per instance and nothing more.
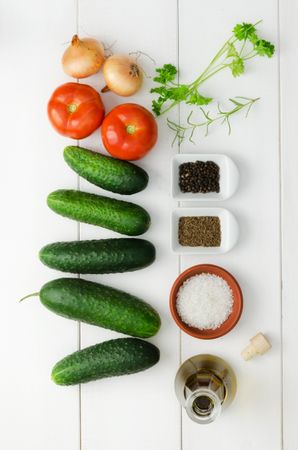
(75, 110)
(129, 131)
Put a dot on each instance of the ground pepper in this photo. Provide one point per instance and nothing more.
(203, 231)
(199, 177)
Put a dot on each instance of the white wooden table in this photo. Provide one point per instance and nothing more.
(140, 411)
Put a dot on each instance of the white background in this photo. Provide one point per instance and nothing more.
(141, 411)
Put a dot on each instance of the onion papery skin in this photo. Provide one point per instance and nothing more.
(84, 57)
(122, 75)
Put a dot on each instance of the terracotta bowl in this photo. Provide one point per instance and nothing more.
(233, 318)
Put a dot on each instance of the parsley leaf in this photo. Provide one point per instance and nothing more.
(161, 90)
(231, 51)
(237, 66)
(237, 63)
(195, 98)
(247, 31)
(178, 93)
(166, 73)
(264, 48)
(244, 31)
(156, 106)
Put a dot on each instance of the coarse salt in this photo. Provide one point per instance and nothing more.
(204, 301)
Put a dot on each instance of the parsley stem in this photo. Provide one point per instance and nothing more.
(242, 48)
(246, 57)
(169, 107)
(223, 49)
(213, 73)
(244, 44)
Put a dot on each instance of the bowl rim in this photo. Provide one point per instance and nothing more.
(216, 270)
(221, 159)
(228, 223)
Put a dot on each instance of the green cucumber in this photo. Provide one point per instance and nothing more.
(112, 358)
(117, 215)
(106, 172)
(96, 304)
(98, 256)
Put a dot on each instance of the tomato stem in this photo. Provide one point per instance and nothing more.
(130, 129)
(71, 108)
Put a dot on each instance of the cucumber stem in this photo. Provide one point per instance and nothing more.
(30, 295)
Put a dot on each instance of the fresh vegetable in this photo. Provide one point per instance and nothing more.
(122, 75)
(129, 131)
(117, 215)
(83, 57)
(108, 173)
(75, 110)
(243, 45)
(103, 306)
(110, 358)
(101, 256)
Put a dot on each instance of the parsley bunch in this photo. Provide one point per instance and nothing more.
(242, 46)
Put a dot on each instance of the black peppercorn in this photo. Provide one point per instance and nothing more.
(199, 177)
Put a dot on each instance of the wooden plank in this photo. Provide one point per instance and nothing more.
(35, 414)
(253, 421)
(137, 411)
(289, 98)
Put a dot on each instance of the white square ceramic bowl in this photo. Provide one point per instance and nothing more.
(228, 224)
(229, 177)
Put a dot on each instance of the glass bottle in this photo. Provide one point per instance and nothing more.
(204, 385)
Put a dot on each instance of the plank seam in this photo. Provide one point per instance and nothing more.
(179, 203)
(79, 336)
(280, 228)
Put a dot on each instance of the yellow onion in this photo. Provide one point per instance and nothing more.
(83, 57)
(122, 75)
